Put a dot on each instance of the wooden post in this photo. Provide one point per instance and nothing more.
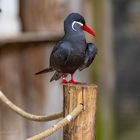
(83, 127)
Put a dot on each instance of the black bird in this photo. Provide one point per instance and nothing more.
(72, 52)
(91, 52)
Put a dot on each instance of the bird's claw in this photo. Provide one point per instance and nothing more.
(64, 81)
(74, 82)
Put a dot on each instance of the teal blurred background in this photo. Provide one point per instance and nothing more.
(118, 29)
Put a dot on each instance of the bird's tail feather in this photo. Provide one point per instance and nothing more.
(44, 71)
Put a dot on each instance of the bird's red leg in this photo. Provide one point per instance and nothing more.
(72, 80)
(64, 78)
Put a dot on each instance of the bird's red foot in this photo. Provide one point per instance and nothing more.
(64, 81)
(74, 82)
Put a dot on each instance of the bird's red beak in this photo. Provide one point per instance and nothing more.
(87, 29)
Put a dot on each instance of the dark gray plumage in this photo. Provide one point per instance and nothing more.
(72, 52)
(91, 52)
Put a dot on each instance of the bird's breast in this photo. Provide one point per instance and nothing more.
(75, 60)
(72, 60)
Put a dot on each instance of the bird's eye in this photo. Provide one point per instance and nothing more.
(76, 22)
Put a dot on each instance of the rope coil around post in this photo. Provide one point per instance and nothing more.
(59, 125)
(27, 115)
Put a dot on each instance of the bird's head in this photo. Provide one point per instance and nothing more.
(76, 23)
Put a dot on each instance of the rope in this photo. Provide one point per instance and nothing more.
(27, 115)
(59, 125)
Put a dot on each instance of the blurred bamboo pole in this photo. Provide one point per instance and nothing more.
(83, 127)
(106, 71)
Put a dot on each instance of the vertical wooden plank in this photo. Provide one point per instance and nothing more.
(41, 96)
(11, 125)
(43, 16)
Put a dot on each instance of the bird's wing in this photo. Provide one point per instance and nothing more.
(60, 53)
(91, 52)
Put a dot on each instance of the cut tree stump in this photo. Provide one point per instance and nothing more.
(83, 127)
